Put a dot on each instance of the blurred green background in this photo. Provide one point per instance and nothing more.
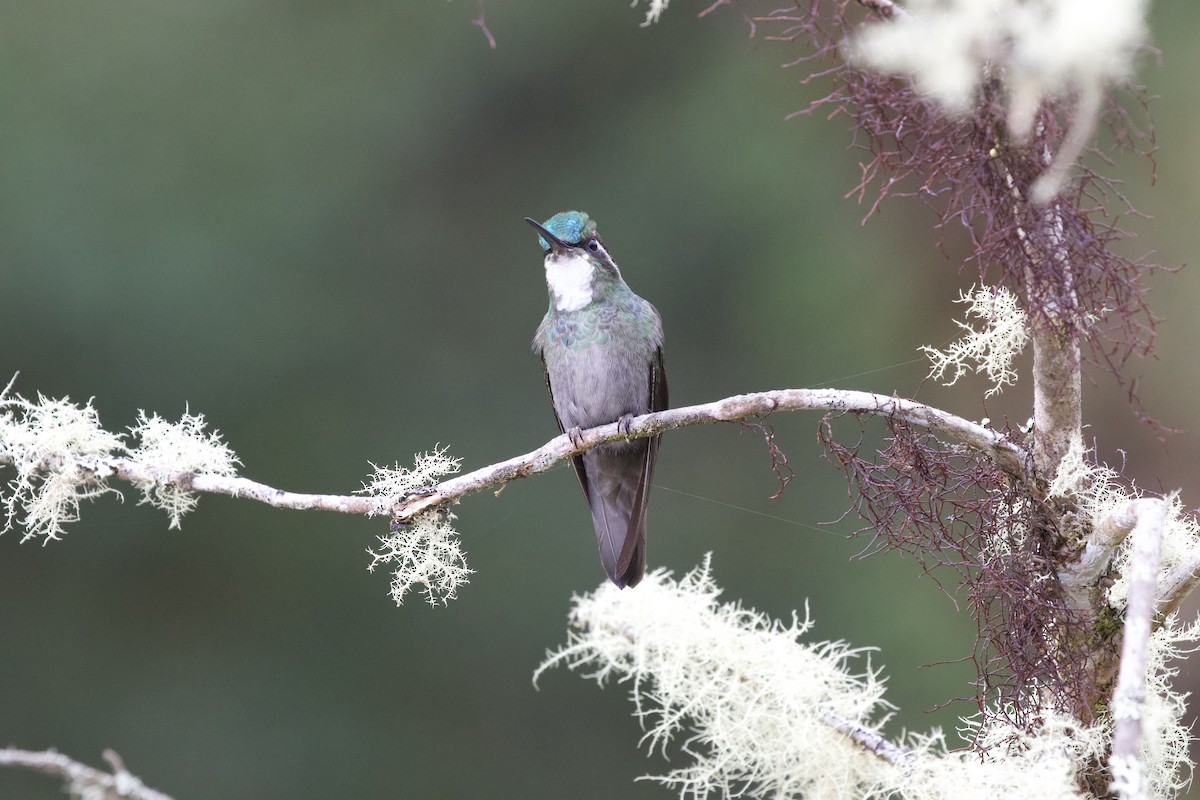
(304, 220)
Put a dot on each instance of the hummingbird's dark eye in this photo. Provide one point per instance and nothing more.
(593, 245)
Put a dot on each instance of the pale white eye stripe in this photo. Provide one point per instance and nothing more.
(570, 280)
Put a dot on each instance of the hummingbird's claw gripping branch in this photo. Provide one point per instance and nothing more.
(624, 422)
(576, 436)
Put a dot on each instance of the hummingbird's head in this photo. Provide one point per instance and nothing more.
(564, 230)
(575, 259)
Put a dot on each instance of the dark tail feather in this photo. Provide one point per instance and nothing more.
(637, 563)
(620, 521)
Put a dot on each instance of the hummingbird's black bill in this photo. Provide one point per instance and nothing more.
(555, 242)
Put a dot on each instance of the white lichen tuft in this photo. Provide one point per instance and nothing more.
(54, 446)
(1006, 762)
(1094, 487)
(426, 551)
(654, 12)
(1038, 48)
(747, 698)
(990, 349)
(170, 448)
(388, 485)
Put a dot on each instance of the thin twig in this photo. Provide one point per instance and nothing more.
(1130, 695)
(1087, 111)
(235, 486)
(1176, 585)
(80, 779)
(481, 22)
(885, 8)
(1080, 579)
(870, 740)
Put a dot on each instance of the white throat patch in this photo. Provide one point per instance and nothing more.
(570, 281)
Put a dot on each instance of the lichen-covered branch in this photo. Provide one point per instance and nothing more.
(754, 709)
(82, 781)
(95, 470)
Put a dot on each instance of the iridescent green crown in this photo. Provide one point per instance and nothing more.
(572, 227)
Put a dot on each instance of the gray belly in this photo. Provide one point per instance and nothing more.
(597, 386)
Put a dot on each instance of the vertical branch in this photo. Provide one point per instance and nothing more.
(1057, 395)
(1128, 773)
(1053, 309)
(1057, 398)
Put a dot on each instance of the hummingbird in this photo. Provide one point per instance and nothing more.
(601, 348)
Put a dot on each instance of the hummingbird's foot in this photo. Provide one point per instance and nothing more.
(576, 436)
(624, 423)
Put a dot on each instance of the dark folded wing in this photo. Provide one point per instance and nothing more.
(576, 461)
(632, 562)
